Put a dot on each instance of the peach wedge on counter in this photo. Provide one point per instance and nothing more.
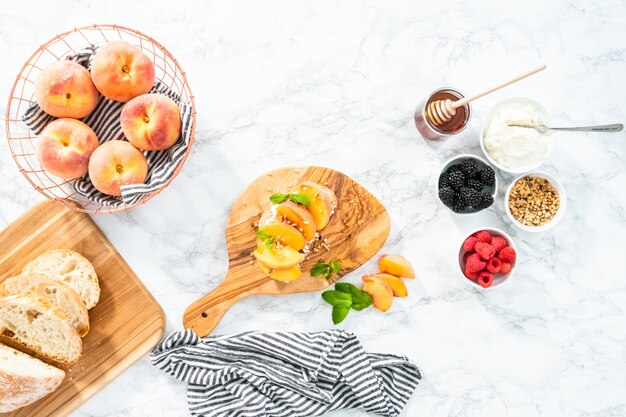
(396, 265)
(380, 291)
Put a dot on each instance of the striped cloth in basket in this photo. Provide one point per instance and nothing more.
(262, 374)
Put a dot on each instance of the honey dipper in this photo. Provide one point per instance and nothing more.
(442, 111)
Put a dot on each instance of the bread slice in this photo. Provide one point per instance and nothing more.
(63, 297)
(34, 323)
(71, 268)
(24, 379)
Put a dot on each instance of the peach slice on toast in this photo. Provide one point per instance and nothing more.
(323, 202)
(396, 265)
(277, 257)
(284, 233)
(286, 275)
(298, 216)
(380, 291)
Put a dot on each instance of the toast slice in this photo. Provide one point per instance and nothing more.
(24, 379)
(62, 296)
(71, 268)
(33, 322)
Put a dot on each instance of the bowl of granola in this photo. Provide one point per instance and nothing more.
(535, 202)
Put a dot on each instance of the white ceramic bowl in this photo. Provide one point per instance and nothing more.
(498, 279)
(445, 166)
(557, 217)
(525, 102)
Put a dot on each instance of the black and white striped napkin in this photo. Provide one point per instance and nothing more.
(259, 374)
(105, 122)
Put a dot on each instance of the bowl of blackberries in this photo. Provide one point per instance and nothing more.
(467, 184)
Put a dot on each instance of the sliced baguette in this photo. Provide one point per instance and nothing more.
(24, 379)
(71, 268)
(63, 297)
(33, 322)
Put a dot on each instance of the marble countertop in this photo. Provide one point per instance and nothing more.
(335, 83)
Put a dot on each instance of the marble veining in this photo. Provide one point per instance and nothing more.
(335, 83)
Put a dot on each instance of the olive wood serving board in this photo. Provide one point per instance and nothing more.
(356, 232)
(125, 325)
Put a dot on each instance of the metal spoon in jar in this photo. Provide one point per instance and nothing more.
(618, 127)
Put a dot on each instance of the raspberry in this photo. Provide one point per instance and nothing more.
(494, 265)
(474, 263)
(483, 236)
(507, 254)
(505, 267)
(499, 242)
(470, 275)
(469, 243)
(485, 279)
(465, 256)
(485, 250)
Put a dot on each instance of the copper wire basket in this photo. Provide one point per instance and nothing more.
(22, 141)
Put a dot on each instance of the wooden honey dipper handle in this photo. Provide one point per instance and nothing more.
(464, 101)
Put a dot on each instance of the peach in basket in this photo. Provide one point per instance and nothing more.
(116, 163)
(151, 122)
(64, 148)
(64, 89)
(121, 71)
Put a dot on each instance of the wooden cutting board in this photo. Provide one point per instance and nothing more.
(355, 233)
(125, 325)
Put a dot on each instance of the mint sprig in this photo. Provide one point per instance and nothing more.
(295, 197)
(325, 269)
(268, 240)
(344, 297)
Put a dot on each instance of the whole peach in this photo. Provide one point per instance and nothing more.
(65, 89)
(64, 148)
(121, 71)
(116, 163)
(151, 122)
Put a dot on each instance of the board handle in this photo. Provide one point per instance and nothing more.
(203, 315)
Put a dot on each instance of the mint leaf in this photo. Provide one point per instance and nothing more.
(339, 314)
(335, 266)
(360, 299)
(300, 199)
(269, 243)
(278, 198)
(263, 235)
(320, 268)
(337, 299)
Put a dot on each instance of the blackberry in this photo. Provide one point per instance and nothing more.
(470, 168)
(459, 206)
(443, 180)
(456, 180)
(471, 196)
(447, 196)
(485, 201)
(487, 176)
(475, 184)
(453, 168)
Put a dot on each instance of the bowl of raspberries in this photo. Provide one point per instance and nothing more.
(487, 258)
(467, 184)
